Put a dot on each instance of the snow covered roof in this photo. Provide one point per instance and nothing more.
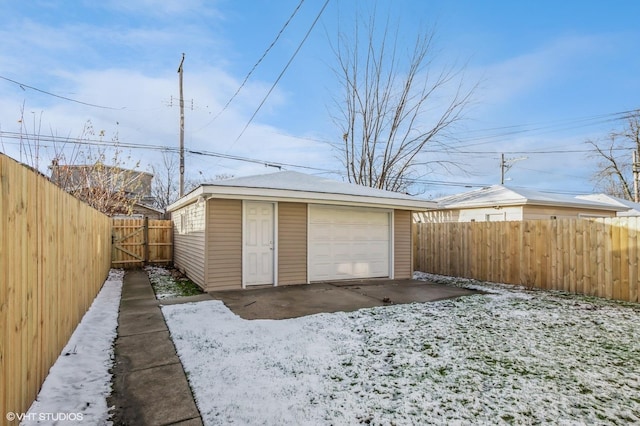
(295, 186)
(500, 195)
(632, 209)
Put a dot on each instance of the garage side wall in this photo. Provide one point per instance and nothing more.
(224, 245)
(189, 241)
(402, 265)
(292, 243)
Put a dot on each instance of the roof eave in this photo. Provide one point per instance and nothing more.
(218, 191)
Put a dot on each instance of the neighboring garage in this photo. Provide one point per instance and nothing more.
(290, 228)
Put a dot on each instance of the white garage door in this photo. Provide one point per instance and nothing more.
(347, 243)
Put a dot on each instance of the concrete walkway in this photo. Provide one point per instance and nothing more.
(149, 384)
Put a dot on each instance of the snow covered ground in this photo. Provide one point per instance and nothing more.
(510, 356)
(75, 391)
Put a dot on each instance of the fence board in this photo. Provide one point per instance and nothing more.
(594, 257)
(633, 260)
(54, 257)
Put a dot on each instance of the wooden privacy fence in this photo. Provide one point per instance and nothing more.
(598, 257)
(136, 242)
(54, 258)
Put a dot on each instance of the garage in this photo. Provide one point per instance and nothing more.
(348, 243)
(289, 228)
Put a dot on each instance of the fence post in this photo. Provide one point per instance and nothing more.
(145, 241)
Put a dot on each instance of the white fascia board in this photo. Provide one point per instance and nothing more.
(272, 194)
(187, 199)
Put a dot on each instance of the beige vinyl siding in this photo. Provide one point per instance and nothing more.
(402, 267)
(224, 241)
(544, 212)
(292, 243)
(189, 241)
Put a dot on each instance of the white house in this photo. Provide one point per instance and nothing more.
(501, 203)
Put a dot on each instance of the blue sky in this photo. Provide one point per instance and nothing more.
(551, 75)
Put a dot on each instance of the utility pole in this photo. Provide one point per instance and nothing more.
(636, 175)
(506, 164)
(181, 192)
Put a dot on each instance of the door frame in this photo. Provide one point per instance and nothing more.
(274, 215)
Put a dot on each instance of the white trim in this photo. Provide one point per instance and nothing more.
(392, 244)
(274, 266)
(275, 245)
(242, 236)
(308, 242)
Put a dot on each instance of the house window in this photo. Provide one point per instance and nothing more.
(183, 223)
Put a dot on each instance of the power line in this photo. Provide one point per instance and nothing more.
(548, 124)
(172, 149)
(255, 65)
(561, 125)
(451, 148)
(283, 70)
(22, 86)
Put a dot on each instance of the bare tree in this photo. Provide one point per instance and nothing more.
(165, 185)
(393, 105)
(30, 146)
(98, 176)
(614, 174)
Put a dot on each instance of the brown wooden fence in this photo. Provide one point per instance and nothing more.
(594, 257)
(54, 258)
(137, 242)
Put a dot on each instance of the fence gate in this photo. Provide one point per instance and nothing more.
(136, 242)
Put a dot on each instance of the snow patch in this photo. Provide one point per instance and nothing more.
(79, 382)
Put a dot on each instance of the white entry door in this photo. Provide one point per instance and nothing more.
(258, 243)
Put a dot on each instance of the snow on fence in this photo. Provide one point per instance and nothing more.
(597, 257)
(55, 254)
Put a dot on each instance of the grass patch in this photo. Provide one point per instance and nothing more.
(169, 283)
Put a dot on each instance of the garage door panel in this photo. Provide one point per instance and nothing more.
(317, 232)
(379, 234)
(341, 251)
(362, 250)
(361, 232)
(347, 243)
(323, 250)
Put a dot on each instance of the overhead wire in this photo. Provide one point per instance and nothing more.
(22, 86)
(244, 82)
(131, 145)
(541, 129)
(172, 149)
(295, 53)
